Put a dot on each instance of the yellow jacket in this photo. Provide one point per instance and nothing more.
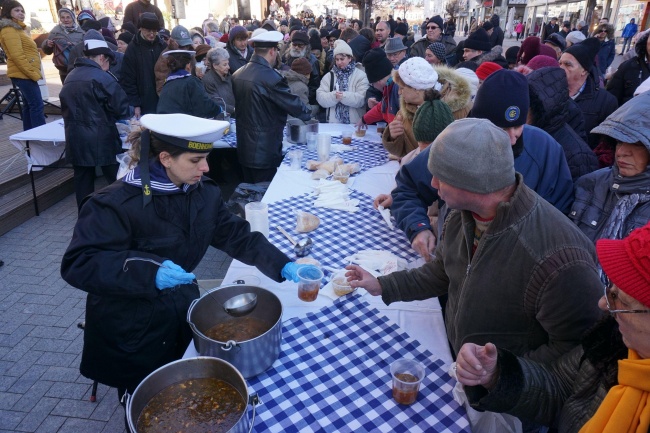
(23, 59)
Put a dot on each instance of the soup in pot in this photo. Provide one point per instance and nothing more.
(238, 329)
(193, 406)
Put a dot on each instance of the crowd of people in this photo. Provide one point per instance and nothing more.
(524, 179)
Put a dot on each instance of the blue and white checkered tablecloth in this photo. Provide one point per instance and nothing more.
(367, 153)
(230, 138)
(333, 375)
(364, 230)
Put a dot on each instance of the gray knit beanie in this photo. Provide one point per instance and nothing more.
(473, 155)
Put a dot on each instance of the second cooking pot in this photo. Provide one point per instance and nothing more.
(250, 357)
(297, 130)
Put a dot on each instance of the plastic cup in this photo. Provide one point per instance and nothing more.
(312, 141)
(295, 157)
(257, 215)
(324, 146)
(309, 283)
(346, 137)
(224, 116)
(380, 127)
(407, 376)
(342, 177)
(340, 284)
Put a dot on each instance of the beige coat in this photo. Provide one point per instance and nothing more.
(354, 97)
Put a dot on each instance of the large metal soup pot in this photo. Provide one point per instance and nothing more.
(186, 369)
(250, 357)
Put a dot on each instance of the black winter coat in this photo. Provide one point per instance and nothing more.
(132, 328)
(236, 60)
(596, 104)
(627, 78)
(138, 78)
(91, 102)
(262, 102)
(496, 38)
(187, 95)
(549, 99)
(563, 394)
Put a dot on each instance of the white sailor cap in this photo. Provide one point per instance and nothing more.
(194, 134)
(188, 52)
(267, 39)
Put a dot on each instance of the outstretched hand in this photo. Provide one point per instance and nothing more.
(359, 277)
(477, 365)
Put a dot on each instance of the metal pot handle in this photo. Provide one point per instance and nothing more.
(230, 344)
(127, 405)
(189, 310)
(253, 400)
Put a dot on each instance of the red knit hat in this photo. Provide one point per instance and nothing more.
(485, 69)
(627, 263)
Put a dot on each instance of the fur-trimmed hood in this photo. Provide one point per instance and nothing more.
(455, 91)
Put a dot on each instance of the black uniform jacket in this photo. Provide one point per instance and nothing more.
(132, 328)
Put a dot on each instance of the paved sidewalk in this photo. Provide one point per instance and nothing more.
(41, 389)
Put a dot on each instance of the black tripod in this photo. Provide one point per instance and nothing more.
(12, 97)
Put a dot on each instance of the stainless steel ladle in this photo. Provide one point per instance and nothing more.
(240, 305)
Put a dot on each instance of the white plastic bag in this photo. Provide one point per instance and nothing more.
(124, 159)
(484, 422)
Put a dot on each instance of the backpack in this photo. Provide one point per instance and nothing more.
(61, 55)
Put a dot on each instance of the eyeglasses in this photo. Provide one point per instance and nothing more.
(602, 31)
(611, 300)
(432, 27)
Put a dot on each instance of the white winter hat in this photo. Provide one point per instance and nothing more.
(342, 47)
(419, 74)
(575, 37)
(471, 78)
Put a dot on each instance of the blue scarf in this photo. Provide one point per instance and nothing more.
(181, 73)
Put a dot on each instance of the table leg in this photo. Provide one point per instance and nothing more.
(31, 178)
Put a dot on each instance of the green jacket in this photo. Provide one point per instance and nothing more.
(531, 286)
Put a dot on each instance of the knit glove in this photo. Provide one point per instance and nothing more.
(172, 275)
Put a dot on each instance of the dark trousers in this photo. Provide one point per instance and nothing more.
(33, 111)
(257, 175)
(84, 180)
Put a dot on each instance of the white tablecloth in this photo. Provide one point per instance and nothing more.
(46, 144)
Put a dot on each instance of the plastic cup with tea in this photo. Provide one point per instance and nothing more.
(346, 137)
(407, 376)
(380, 127)
(309, 283)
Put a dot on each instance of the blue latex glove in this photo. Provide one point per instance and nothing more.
(172, 275)
(290, 271)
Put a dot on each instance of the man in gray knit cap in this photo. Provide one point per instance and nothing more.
(515, 268)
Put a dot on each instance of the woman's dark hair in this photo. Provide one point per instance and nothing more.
(7, 6)
(156, 147)
(368, 34)
(178, 61)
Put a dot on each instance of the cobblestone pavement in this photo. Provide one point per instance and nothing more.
(41, 389)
